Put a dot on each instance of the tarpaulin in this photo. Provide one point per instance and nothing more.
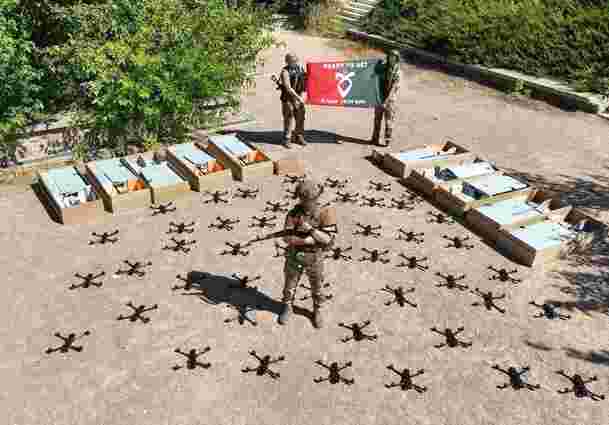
(345, 83)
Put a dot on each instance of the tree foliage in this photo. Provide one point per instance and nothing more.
(139, 71)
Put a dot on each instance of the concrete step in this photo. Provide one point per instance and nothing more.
(351, 14)
(371, 3)
(358, 8)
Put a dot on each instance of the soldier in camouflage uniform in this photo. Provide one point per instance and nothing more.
(305, 254)
(292, 84)
(388, 110)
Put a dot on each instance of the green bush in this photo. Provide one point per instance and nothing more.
(563, 39)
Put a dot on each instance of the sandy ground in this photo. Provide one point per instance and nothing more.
(124, 373)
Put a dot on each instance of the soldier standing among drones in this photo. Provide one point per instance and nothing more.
(305, 254)
(388, 110)
(292, 85)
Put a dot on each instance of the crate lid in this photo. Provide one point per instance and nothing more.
(509, 210)
(495, 184)
(231, 142)
(66, 180)
(468, 170)
(114, 170)
(160, 175)
(416, 154)
(192, 154)
(543, 235)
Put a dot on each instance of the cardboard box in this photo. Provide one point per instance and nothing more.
(165, 182)
(290, 166)
(202, 169)
(451, 196)
(244, 159)
(70, 194)
(118, 186)
(528, 208)
(400, 164)
(544, 242)
(426, 180)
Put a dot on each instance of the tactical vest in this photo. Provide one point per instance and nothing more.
(297, 81)
(312, 218)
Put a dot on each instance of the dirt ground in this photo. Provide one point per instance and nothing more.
(124, 373)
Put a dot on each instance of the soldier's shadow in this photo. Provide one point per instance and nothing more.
(216, 289)
(311, 136)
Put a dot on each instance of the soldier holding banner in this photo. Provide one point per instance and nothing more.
(292, 85)
(388, 110)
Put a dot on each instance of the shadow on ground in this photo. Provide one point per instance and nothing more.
(218, 289)
(590, 191)
(42, 198)
(311, 136)
(590, 290)
(600, 357)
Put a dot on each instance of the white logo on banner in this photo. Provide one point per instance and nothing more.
(344, 78)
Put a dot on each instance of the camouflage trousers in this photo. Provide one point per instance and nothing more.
(389, 114)
(292, 114)
(295, 265)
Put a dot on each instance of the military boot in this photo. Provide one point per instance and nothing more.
(285, 313)
(301, 140)
(317, 317)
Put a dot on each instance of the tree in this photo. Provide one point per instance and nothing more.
(144, 70)
(19, 78)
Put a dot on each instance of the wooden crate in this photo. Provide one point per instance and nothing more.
(401, 168)
(166, 183)
(557, 237)
(57, 182)
(488, 218)
(450, 197)
(424, 180)
(258, 163)
(128, 191)
(217, 177)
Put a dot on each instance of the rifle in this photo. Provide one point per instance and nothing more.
(294, 232)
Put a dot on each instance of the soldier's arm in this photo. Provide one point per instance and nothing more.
(321, 237)
(395, 85)
(285, 81)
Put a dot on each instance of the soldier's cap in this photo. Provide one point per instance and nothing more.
(309, 190)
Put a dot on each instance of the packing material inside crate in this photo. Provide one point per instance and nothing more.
(116, 174)
(68, 187)
(510, 210)
(544, 235)
(491, 185)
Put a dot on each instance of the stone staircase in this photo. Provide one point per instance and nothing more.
(354, 11)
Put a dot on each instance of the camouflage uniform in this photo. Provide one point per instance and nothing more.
(291, 109)
(305, 258)
(393, 77)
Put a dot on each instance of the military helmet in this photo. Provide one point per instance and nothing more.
(291, 57)
(308, 190)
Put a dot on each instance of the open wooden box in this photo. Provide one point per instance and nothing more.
(425, 180)
(450, 196)
(243, 158)
(527, 208)
(166, 183)
(70, 194)
(400, 164)
(564, 231)
(202, 170)
(118, 186)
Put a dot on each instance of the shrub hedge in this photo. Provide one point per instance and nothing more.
(563, 39)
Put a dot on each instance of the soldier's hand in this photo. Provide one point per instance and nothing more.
(305, 227)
